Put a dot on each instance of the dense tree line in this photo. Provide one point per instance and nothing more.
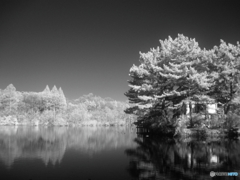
(100, 109)
(52, 107)
(180, 73)
(13, 101)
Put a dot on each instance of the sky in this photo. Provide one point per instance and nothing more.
(89, 46)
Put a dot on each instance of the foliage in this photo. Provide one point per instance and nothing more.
(180, 73)
(50, 107)
(104, 110)
(232, 121)
(9, 99)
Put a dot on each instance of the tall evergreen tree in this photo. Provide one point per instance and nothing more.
(46, 98)
(62, 98)
(167, 78)
(54, 91)
(47, 89)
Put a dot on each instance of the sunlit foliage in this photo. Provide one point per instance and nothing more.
(50, 107)
(180, 73)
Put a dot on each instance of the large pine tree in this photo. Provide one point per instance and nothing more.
(167, 78)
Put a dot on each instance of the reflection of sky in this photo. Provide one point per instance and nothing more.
(50, 145)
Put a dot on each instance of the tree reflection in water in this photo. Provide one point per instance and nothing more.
(50, 143)
(160, 158)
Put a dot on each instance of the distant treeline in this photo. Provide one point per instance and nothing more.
(50, 107)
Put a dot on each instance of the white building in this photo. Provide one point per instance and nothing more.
(211, 108)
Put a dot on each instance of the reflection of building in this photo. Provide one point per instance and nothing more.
(204, 157)
(155, 158)
(214, 159)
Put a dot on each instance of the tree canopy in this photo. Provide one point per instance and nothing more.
(179, 72)
(51, 107)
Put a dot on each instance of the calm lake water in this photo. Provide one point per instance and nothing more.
(110, 153)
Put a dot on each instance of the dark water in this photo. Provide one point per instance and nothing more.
(110, 153)
(159, 158)
(65, 153)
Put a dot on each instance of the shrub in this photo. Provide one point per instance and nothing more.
(232, 121)
(202, 133)
(182, 124)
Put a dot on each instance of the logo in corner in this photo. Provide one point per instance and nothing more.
(212, 173)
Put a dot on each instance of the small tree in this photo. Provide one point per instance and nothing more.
(9, 99)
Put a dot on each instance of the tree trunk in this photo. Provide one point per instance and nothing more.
(228, 105)
(190, 112)
(205, 112)
(226, 108)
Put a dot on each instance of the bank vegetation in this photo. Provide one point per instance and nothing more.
(50, 107)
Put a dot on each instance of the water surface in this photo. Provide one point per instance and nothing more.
(65, 153)
(110, 153)
(175, 159)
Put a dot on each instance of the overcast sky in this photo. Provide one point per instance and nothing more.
(89, 46)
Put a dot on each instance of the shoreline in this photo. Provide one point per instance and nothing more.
(199, 133)
(59, 121)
